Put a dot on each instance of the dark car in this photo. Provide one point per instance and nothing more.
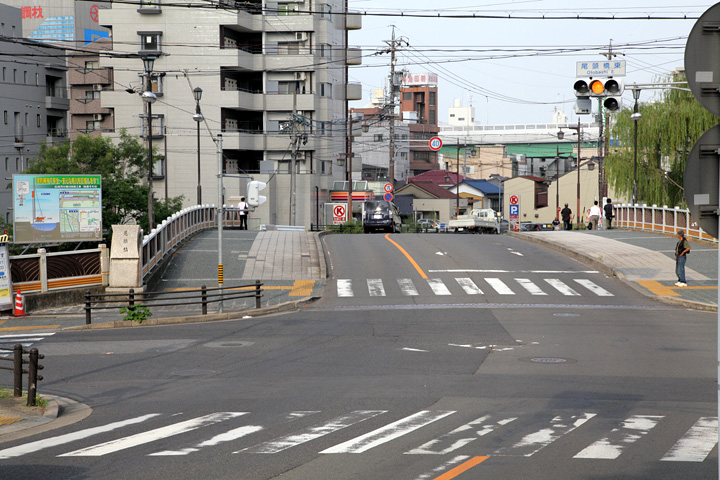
(381, 215)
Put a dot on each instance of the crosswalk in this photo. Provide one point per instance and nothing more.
(376, 287)
(27, 340)
(492, 434)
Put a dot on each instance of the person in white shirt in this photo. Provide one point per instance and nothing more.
(243, 206)
(595, 213)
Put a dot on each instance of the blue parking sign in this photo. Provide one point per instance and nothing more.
(514, 210)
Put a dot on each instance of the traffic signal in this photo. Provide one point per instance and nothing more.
(253, 193)
(583, 106)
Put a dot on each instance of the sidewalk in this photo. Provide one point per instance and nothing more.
(644, 260)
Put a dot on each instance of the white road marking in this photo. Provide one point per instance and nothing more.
(438, 287)
(460, 436)
(344, 288)
(596, 289)
(499, 286)
(388, 432)
(630, 431)
(311, 433)
(562, 287)
(407, 287)
(469, 286)
(408, 349)
(696, 444)
(375, 287)
(152, 435)
(216, 440)
(70, 437)
(530, 286)
(536, 441)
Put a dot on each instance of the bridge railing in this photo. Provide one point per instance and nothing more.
(659, 219)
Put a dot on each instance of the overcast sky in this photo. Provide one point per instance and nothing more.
(519, 70)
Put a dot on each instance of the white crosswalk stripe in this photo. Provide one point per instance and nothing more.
(696, 444)
(407, 287)
(630, 431)
(522, 436)
(25, 339)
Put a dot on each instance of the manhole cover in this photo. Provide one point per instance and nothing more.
(193, 373)
(547, 360)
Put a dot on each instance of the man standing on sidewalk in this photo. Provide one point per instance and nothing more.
(681, 250)
(243, 207)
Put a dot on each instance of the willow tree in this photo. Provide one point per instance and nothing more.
(667, 131)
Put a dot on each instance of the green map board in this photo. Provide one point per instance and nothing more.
(56, 208)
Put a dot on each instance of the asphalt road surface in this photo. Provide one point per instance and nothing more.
(428, 357)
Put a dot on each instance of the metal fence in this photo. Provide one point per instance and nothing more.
(659, 219)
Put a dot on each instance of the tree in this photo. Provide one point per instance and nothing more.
(123, 167)
(667, 132)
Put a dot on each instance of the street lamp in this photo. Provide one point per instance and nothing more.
(560, 136)
(635, 117)
(198, 117)
(149, 98)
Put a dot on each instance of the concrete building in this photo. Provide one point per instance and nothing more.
(273, 84)
(87, 81)
(419, 107)
(34, 99)
(459, 116)
(371, 148)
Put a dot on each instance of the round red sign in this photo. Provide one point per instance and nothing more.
(514, 200)
(339, 211)
(435, 143)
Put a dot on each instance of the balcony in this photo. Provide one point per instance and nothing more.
(354, 56)
(354, 91)
(354, 21)
(56, 99)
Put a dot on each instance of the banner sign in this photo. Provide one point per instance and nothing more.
(56, 208)
(6, 298)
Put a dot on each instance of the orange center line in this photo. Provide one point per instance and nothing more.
(463, 467)
(407, 255)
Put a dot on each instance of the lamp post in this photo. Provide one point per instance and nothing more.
(149, 98)
(560, 136)
(635, 117)
(348, 177)
(198, 117)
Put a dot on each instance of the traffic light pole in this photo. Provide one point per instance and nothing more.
(220, 214)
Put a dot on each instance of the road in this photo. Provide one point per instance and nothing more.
(428, 357)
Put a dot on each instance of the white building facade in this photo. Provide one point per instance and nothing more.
(273, 81)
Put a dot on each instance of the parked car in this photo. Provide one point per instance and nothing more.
(381, 215)
(504, 225)
(428, 225)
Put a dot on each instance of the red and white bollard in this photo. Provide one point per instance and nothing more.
(19, 310)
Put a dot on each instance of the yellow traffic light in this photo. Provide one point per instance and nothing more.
(597, 87)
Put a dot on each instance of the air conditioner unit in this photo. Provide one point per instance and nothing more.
(301, 36)
(97, 88)
(98, 116)
(301, 76)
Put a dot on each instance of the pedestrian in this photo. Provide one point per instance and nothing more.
(681, 252)
(566, 217)
(243, 207)
(609, 213)
(594, 215)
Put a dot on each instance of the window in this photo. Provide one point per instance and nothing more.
(452, 115)
(37, 79)
(158, 166)
(5, 117)
(91, 65)
(4, 72)
(326, 90)
(432, 120)
(407, 96)
(39, 121)
(378, 137)
(287, 9)
(156, 84)
(431, 98)
(461, 119)
(92, 125)
(7, 163)
(17, 164)
(25, 77)
(150, 41)
(157, 126)
(325, 11)
(91, 95)
(27, 119)
(14, 75)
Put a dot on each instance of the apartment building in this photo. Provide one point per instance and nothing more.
(273, 79)
(419, 106)
(33, 99)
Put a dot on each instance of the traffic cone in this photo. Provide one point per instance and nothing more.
(19, 310)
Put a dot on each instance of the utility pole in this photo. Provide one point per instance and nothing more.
(390, 105)
(293, 155)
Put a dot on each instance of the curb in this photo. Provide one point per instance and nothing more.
(51, 413)
(215, 317)
(606, 269)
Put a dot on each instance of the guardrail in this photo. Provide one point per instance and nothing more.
(659, 219)
(204, 295)
(18, 370)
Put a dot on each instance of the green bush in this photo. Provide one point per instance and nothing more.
(137, 313)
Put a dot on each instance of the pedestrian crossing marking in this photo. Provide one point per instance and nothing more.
(694, 445)
(630, 431)
(376, 287)
(152, 435)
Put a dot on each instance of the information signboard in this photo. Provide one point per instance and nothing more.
(57, 208)
(6, 298)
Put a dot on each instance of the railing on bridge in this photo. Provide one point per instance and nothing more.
(659, 219)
